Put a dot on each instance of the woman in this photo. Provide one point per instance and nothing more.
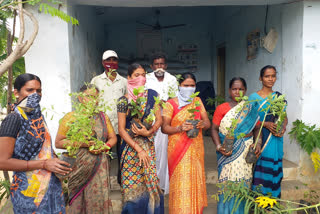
(88, 184)
(139, 182)
(232, 165)
(268, 170)
(187, 190)
(25, 148)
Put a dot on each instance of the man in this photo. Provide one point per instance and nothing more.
(167, 87)
(113, 86)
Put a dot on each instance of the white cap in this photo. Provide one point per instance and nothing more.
(109, 53)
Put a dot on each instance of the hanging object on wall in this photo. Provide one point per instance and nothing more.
(253, 42)
(188, 53)
(270, 41)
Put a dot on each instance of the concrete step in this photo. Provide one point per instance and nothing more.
(290, 170)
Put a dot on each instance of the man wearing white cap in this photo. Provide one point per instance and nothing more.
(113, 86)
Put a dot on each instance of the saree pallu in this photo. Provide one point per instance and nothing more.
(235, 168)
(36, 191)
(139, 185)
(87, 187)
(187, 190)
(268, 170)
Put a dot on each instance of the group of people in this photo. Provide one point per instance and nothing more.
(155, 157)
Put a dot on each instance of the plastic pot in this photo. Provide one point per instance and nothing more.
(70, 160)
(251, 156)
(134, 121)
(193, 133)
(228, 144)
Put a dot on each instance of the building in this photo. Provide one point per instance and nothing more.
(65, 56)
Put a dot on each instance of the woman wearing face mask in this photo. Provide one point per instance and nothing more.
(187, 191)
(232, 165)
(88, 183)
(139, 182)
(25, 148)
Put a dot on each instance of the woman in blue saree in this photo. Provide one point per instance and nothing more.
(232, 165)
(268, 169)
(26, 149)
(139, 182)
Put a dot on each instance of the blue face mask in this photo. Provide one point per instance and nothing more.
(184, 95)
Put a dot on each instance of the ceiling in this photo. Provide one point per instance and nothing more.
(167, 3)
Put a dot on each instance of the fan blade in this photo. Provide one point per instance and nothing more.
(172, 26)
(144, 24)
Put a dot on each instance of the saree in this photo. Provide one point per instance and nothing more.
(36, 191)
(234, 167)
(87, 187)
(268, 170)
(139, 185)
(187, 190)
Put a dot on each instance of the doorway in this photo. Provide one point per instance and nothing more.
(221, 71)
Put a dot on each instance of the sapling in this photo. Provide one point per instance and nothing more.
(193, 116)
(81, 128)
(276, 105)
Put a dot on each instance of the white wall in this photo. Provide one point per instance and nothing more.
(292, 24)
(311, 87)
(48, 58)
(233, 28)
(86, 47)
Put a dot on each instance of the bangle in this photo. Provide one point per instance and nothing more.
(27, 165)
(218, 147)
(44, 164)
(179, 128)
(140, 151)
(108, 144)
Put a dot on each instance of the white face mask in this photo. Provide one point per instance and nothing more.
(184, 95)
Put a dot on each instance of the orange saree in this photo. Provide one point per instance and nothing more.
(187, 191)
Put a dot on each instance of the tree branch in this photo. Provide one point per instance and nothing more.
(21, 47)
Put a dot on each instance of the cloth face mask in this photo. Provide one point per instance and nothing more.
(135, 83)
(184, 95)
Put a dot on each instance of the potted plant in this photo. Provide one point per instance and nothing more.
(80, 129)
(194, 117)
(275, 107)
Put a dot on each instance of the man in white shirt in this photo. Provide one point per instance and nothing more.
(167, 87)
(113, 86)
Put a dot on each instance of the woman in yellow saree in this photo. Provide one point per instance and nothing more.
(187, 190)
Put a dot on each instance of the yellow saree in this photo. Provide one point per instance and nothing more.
(187, 191)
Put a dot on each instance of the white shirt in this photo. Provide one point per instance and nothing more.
(112, 91)
(169, 85)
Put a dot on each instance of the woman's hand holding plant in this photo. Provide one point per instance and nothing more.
(186, 126)
(57, 166)
(200, 125)
(272, 127)
(141, 132)
(223, 151)
(257, 150)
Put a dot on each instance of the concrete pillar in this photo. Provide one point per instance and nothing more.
(48, 58)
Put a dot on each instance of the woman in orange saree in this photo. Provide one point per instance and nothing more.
(187, 190)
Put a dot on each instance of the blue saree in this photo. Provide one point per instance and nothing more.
(234, 168)
(268, 169)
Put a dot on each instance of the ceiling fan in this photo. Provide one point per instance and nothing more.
(157, 25)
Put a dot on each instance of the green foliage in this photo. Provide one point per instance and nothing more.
(81, 128)
(214, 102)
(135, 107)
(242, 193)
(193, 111)
(275, 105)
(4, 189)
(308, 137)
